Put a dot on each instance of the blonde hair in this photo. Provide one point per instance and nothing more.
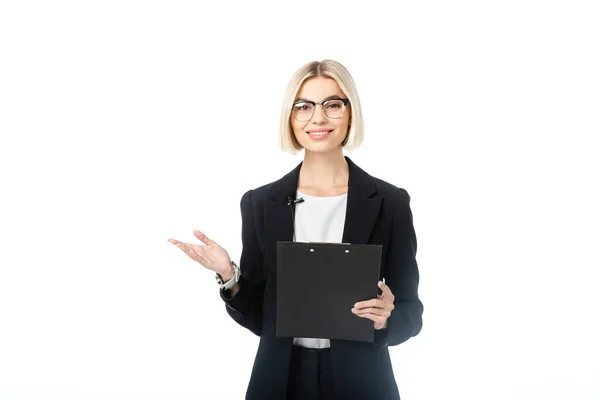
(328, 69)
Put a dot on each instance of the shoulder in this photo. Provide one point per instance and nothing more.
(385, 189)
(389, 190)
(396, 200)
(274, 189)
(255, 198)
(257, 194)
(394, 197)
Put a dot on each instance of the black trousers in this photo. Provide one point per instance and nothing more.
(311, 374)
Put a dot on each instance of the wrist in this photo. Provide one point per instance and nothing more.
(228, 275)
(229, 278)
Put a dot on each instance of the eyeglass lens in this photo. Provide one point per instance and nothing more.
(304, 111)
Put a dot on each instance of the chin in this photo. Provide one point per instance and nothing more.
(324, 146)
(321, 149)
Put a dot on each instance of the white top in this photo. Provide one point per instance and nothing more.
(319, 219)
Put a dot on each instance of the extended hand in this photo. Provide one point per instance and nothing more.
(210, 255)
(377, 310)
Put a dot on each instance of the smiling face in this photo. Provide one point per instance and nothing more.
(321, 133)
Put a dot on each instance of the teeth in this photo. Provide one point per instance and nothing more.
(319, 133)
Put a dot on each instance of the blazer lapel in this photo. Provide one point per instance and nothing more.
(362, 209)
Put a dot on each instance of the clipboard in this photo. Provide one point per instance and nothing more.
(318, 283)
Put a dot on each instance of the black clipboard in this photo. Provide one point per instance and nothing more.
(318, 284)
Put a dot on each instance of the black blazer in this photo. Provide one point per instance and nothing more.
(376, 213)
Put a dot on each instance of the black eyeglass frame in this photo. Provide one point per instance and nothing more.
(322, 103)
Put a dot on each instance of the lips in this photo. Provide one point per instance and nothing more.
(317, 135)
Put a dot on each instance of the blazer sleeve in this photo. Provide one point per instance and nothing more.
(245, 307)
(402, 277)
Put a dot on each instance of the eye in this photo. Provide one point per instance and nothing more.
(333, 104)
(302, 106)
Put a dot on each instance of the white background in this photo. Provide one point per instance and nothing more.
(126, 123)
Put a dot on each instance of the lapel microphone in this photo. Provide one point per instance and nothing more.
(290, 201)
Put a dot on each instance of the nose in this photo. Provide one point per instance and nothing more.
(319, 115)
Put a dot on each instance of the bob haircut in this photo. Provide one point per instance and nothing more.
(328, 69)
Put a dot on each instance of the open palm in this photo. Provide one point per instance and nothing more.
(210, 255)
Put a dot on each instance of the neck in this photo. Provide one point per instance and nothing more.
(323, 170)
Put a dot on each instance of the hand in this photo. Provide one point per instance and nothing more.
(211, 256)
(377, 310)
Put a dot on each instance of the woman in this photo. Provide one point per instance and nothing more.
(342, 203)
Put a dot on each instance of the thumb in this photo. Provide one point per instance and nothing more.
(202, 237)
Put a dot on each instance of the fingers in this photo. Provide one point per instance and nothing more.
(203, 238)
(378, 303)
(387, 292)
(179, 244)
(381, 312)
(384, 300)
(183, 246)
(377, 310)
(188, 249)
(196, 252)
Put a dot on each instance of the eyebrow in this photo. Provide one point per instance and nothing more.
(325, 99)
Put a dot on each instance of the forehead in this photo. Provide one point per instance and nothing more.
(319, 88)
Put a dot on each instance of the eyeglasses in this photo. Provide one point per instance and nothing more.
(304, 110)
